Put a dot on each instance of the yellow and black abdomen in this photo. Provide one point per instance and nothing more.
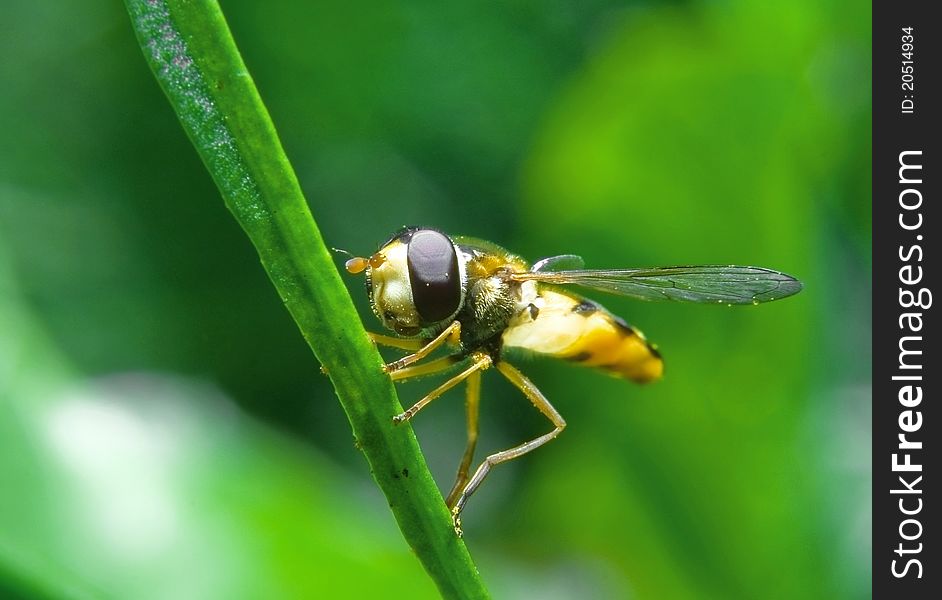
(583, 332)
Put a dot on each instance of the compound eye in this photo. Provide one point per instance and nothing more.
(434, 275)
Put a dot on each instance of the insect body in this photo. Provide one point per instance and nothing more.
(480, 299)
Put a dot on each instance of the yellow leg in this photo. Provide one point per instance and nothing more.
(433, 366)
(472, 403)
(542, 404)
(479, 361)
(410, 344)
(451, 334)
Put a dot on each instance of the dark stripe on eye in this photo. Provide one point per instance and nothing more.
(433, 275)
(581, 357)
(403, 236)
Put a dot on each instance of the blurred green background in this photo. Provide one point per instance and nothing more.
(165, 432)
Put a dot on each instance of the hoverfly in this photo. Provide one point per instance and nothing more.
(479, 299)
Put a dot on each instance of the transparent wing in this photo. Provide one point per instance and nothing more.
(704, 283)
(563, 262)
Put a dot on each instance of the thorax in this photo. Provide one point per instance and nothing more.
(492, 299)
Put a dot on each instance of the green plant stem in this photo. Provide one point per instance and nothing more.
(194, 58)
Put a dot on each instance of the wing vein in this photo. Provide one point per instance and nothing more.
(724, 284)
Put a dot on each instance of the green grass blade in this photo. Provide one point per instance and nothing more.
(194, 58)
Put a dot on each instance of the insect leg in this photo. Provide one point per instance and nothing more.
(540, 402)
(472, 402)
(429, 368)
(410, 344)
(451, 334)
(479, 361)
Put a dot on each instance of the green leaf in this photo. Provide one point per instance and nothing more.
(194, 58)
